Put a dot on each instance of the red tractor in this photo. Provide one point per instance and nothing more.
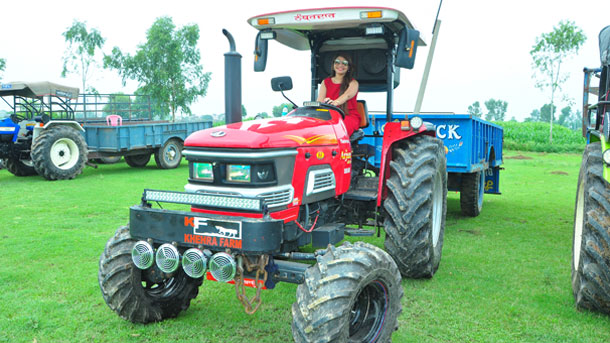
(264, 194)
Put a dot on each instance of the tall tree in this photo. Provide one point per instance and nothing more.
(166, 66)
(2, 65)
(279, 109)
(79, 57)
(475, 109)
(549, 52)
(496, 109)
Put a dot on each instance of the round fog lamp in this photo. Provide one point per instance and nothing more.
(606, 156)
(416, 123)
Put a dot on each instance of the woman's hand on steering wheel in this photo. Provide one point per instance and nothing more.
(331, 104)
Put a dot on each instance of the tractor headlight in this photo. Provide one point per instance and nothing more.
(238, 173)
(203, 171)
(416, 123)
(606, 156)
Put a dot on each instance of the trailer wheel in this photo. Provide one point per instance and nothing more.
(138, 161)
(416, 206)
(169, 155)
(20, 167)
(59, 153)
(472, 189)
(591, 241)
(352, 294)
(141, 296)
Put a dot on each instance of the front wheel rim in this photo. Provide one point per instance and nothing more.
(64, 153)
(367, 315)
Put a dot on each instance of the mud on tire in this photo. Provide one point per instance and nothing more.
(416, 206)
(141, 296)
(352, 294)
(59, 153)
(591, 240)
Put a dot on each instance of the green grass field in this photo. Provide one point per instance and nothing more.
(504, 276)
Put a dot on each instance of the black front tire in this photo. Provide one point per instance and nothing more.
(591, 239)
(352, 294)
(169, 155)
(472, 189)
(138, 161)
(20, 168)
(416, 206)
(59, 153)
(141, 296)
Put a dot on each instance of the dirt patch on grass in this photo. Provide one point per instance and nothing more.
(518, 157)
(472, 232)
(559, 172)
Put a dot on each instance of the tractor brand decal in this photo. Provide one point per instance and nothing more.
(317, 139)
(347, 170)
(213, 232)
(346, 156)
(295, 202)
(448, 131)
(7, 86)
(309, 17)
(345, 141)
(320, 155)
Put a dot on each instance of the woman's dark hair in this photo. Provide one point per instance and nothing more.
(349, 75)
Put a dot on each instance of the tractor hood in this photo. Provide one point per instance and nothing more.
(285, 132)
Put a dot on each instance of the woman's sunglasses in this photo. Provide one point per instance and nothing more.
(345, 63)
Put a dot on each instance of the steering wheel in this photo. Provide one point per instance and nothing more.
(17, 118)
(332, 107)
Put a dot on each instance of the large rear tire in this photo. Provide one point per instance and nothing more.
(59, 153)
(138, 161)
(591, 240)
(416, 206)
(169, 155)
(352, 294)
(472, 189)
(20, 167)
(141, 296)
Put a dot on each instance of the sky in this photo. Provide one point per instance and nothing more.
(482, 52)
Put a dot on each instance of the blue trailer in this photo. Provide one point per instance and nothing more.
(474, 153)
(54, 132)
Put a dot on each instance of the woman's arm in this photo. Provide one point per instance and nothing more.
(322, 93)
(349, 93)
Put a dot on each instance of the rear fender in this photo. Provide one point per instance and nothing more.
(391, 135)
(38, 128)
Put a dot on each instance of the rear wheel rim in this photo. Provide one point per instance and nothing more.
(64, 153)
(437, 207)
(367, 316)
(578, 223)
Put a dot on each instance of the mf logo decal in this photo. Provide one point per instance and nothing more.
(213, 232)
(448, 131)
(320, 155)
(218, 134)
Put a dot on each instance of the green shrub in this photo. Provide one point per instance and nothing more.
(534, 136)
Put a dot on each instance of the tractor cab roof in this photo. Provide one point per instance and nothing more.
(38, 90)
(604, 45)
(337, 28)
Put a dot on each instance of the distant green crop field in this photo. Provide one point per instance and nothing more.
(534, 136)
(504, 276)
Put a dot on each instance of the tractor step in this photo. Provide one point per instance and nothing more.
(359, 232)
(364, 189)
(327, 234)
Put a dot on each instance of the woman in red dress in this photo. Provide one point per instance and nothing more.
(341, 90)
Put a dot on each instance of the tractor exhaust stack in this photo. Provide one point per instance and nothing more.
(232, 82)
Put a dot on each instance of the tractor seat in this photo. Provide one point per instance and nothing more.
(364, 122)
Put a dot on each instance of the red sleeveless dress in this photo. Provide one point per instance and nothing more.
(352, 117)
